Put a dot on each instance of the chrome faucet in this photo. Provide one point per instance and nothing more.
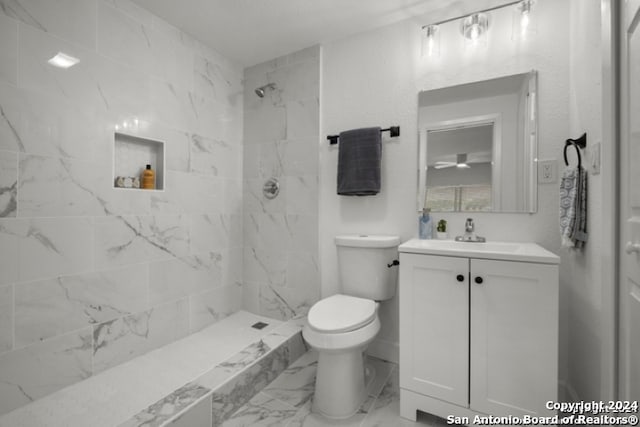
(468, 226)
(469, 235)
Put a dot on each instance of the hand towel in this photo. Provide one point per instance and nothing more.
(573, 207)
(359, 159)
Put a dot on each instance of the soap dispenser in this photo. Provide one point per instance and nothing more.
(425, 225)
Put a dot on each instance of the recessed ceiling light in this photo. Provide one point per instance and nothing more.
(62, 60)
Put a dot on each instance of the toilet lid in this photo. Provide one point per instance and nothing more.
(341, 313)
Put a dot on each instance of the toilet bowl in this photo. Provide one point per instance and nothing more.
(340, 327)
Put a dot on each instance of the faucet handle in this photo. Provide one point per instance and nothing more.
(468, 226)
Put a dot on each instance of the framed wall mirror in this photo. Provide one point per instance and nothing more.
(478, 146)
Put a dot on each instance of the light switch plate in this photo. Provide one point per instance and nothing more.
(548, 171)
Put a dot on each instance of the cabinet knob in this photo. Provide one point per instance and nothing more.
(478, 280)
(460, 278)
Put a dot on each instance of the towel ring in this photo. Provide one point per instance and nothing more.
(567, 145)
(578, 144)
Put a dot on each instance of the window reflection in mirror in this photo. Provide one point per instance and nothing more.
(478, 146)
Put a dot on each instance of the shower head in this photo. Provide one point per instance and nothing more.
(261, 90)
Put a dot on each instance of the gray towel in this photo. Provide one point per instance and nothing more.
(359, 162)
(573, 207)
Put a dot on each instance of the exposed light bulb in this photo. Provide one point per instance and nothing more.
(430, 46)
(474, 28)
(474, 33)
(524, 21)
(431, 41)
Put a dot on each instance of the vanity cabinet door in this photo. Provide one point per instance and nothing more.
(434, 326)
(514, 337)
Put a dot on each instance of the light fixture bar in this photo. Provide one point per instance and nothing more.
(472, 13)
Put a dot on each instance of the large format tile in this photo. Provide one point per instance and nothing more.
(77, 84)
(210, 232)
(8, 184)
(73, 20)
(49, 124)
(55, 187)
(8, 50)
(131, 239)
(215, 81)
(295, 386)
(122, 339)
(123, 39)
(49, 247)
(55, 306)
(262, 411)
(211, 306)
(37, 370)
(177, 278)
(287, 401)
(6, 318)
(234, 394)
(214, 157)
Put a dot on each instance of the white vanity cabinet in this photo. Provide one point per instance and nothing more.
(478, 330)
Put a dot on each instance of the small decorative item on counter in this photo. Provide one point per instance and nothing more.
(425, 225)
(127, 182)
(441, 230)
(148, 178)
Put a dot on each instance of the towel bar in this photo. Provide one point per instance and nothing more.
(394, 131)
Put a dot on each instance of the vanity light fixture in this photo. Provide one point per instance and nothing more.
(431, 41)
(524, 20)
(474, 27)
(62, 60)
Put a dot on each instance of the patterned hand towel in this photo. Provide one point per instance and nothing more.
(359, 161)
(573, 207)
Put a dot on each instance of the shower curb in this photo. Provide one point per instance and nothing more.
(229, 385)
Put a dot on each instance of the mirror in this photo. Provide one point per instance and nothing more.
(478, 146)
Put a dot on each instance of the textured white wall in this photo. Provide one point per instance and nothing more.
(374, 78)
(582, 271)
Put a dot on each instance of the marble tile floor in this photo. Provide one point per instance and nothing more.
(286, 402)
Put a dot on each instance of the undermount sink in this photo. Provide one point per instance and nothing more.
(509, 251)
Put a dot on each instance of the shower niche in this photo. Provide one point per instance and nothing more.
(131, 154)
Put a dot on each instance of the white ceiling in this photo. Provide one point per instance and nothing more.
(254, 31)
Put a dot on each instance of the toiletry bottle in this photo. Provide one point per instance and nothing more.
(425, 225)
(148, 178)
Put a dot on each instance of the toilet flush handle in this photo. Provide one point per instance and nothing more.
(395, 262)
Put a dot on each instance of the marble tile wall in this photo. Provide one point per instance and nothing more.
(91, 276)
(281, 137)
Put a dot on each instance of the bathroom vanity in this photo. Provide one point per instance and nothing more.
(478, 328)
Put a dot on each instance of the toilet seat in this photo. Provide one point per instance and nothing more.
(341, 313)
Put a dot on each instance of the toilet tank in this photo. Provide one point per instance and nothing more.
(363, 265)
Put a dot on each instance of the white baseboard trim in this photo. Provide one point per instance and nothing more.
(385, 350)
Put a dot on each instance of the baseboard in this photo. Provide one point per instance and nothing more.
(385, 350)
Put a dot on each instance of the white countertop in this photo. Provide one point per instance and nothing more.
(506, 251)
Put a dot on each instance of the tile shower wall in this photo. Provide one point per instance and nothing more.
(281, 136)
(92, 276)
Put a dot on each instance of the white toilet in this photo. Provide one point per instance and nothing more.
(341, 326)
